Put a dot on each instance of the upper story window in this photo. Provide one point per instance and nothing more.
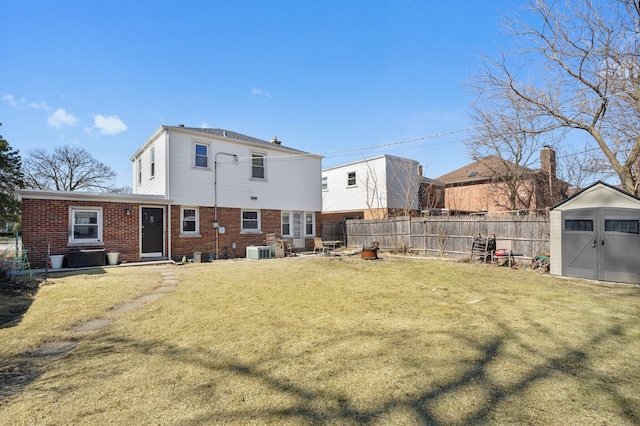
(351, 179)
(202, 155)
(85, 225)
(189, 221)
(139, 171)
(251, 220)
(257, 166)
(325, 185)
(153, 161)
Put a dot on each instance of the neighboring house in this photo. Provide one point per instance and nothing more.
(208, 190)
(372, 188)
(481, 187)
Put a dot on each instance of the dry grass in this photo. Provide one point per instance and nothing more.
(334, 341)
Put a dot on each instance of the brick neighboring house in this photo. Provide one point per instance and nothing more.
(208, 190)
(376, 187)
(479, 187)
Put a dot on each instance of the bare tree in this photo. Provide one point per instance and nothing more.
(508, 143)
(67, 169)
(403, 184)
(578, 64)
(373, 191)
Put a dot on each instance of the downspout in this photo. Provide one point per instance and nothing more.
(215, 192)
(167, 191)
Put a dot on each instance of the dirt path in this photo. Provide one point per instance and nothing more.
(16, 375)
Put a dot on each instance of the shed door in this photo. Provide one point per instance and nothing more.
(602, 243)
(620, 246)
(579, 252)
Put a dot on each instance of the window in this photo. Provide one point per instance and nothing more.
(325, 185)
(257, 166)
(622, 225)
(153, 162)
(578, 225)
(286, 223)
(139, 171)
(251, 220)
(189, 221)
(85, 225)
(308, 224)
(351, 179)
(202, 155)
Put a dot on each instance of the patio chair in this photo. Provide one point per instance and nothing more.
(318, 245)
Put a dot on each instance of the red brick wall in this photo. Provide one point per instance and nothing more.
(230, 219)
(46, 222)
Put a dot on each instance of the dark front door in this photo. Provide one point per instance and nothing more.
(152, 231)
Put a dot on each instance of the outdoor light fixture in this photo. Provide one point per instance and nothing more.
(127, 211)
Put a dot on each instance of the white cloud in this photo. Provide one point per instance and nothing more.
(61, 118)
(12, 101)
(42, 105)
(204, 125)
(259, 92)
(111, 125)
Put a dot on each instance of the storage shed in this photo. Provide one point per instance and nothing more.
(595, 234)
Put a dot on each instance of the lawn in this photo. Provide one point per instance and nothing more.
(324, 340)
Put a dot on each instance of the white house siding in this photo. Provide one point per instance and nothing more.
(155, 185)
(369, 175)
(291, 181)
(403, 181)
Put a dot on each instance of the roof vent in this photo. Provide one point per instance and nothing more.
(275, 140)
(180, 125)
(224, 133)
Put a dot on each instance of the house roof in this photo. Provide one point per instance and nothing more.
(228, 134)
(479, 171)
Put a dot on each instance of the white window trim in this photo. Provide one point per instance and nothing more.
(264, 166)
(152, 163)
(290, 234)
(195, 233)
(355, 179)
(313, 224)
(193, 155)
(139, 171)
(84, 241)
(250, 231)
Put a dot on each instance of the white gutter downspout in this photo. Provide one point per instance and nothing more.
(167, 190)
(215, 192)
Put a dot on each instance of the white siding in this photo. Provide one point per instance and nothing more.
(155, 185)
(369, 192)
(403, 181)
(291, 183)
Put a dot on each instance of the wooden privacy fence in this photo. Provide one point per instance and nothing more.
(449, 236)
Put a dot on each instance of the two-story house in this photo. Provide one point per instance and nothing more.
(371, 188)
(207, 190)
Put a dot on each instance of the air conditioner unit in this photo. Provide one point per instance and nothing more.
(258, 252)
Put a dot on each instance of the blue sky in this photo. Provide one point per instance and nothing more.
(327, 77)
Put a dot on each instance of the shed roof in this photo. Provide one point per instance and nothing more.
(599, 193)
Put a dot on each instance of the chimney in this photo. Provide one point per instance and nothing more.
(275, 140)
(548, 161)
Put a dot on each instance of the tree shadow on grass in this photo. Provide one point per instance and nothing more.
(326, 404)
(12, 308)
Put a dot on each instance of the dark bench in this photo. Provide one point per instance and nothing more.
(77, 258)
